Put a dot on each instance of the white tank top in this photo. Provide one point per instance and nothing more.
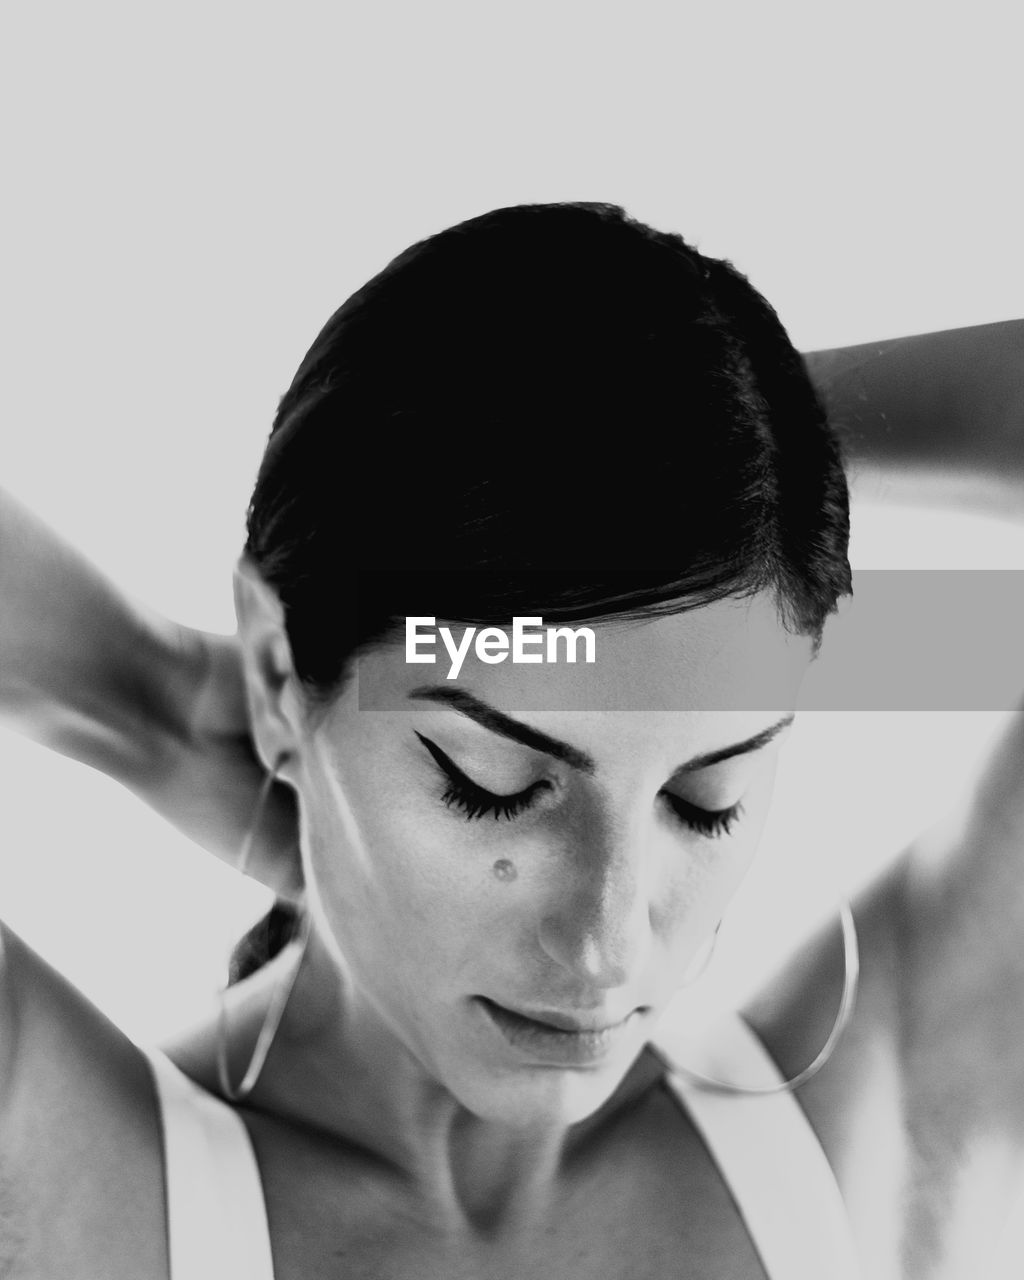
(764, 1147)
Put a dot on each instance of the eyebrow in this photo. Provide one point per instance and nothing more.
(497, 722)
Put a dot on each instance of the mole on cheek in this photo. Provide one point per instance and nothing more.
(504, 870)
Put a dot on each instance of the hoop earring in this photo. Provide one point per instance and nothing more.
(851, 974)
(275, 1011)
(689, 978)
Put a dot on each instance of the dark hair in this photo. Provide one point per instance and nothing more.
(549, 410)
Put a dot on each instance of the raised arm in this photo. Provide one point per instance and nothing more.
(941, 1012)
(158, 707)
(941, 413)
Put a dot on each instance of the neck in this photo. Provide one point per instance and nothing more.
(339, 1070)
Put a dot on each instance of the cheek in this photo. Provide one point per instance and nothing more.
(706, 876)
(400, 887)
(747, 834)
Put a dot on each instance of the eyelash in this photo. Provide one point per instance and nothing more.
(475, 802)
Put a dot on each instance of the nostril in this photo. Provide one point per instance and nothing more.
(602, 958)
(599, 927)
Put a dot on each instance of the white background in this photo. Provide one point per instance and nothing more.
(190, 190)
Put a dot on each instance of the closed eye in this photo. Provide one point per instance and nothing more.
(476, 802)
(706, 822)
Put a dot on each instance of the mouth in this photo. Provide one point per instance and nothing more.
(559, 1038)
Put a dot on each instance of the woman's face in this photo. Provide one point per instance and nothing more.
(515, 868)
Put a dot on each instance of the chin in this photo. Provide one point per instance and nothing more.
(521, 1078)
(545, 1098)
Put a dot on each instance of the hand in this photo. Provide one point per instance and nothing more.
(209, 786)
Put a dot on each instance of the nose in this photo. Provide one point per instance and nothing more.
(598, 927)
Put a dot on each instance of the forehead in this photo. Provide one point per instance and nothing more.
(731, 655)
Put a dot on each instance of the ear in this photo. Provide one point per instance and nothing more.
(272, 687)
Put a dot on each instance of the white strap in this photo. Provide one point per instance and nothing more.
(216, 1215)
(770, 1158)
(763, 1146)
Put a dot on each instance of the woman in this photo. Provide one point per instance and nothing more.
(466, 1065)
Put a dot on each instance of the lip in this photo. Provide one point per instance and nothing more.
(566, 1021)
(559, 1039)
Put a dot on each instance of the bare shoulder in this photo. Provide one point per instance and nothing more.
(79, 1132)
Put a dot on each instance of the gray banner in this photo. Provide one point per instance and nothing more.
(908, 640)
(923, 640)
